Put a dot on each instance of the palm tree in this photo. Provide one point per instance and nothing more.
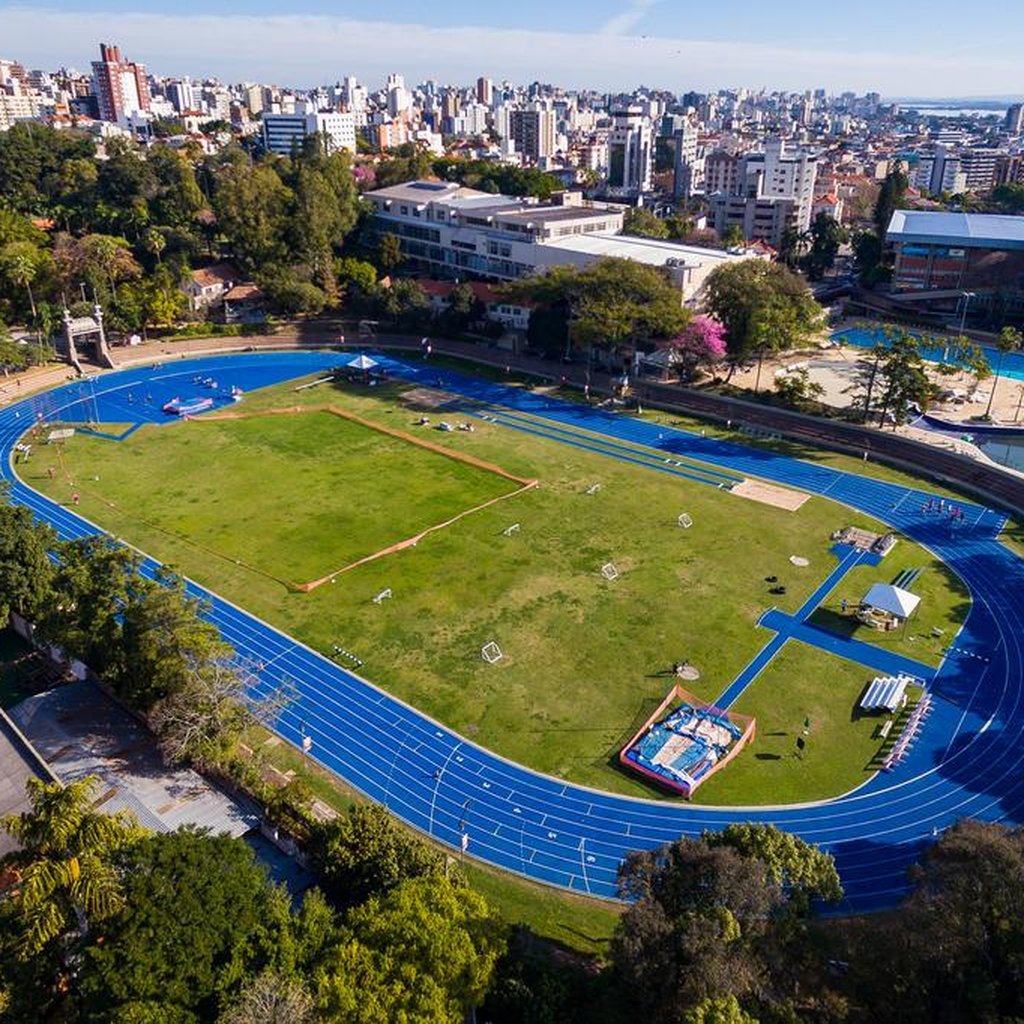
(20, 262)
(1009, 340)
(155, 243)
(64, 870)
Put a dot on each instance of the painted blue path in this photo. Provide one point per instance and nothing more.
(969, 760)
(848, 558)
(877, 658)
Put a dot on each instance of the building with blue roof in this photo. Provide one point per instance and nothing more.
(969, 265)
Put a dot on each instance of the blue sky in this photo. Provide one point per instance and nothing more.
(908, 48)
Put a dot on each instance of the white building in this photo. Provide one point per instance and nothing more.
(630, 154)
(450, 231)
(283, 132)
(399, 97)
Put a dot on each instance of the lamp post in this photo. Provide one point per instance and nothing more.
(967, 296)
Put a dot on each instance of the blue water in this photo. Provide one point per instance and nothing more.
(862, 337)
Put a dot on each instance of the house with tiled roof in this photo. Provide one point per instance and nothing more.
(208, 285)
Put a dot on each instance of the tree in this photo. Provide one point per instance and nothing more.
(66, 880)
(611, 304)
(462, 308)
(19, 263)
(367, 853)
(155, 243)
(1009, 340)
(94, 581)
(692, 930)
(904, 379)
(867, 255)
(355, 274)
(890, 198)
(796, 865)
(797, 390)
(733, 237)
(404, 301)
(643, 224)
(199, 721)
(12, 355)
(827, 235)
(26, 572)
(271, 998)
(762, 306)
(717, 1011)
(702, 343)
(425, 951)
(252, 205)
(199, 915)
(389, 252)
(1010, 198)
(955, 951)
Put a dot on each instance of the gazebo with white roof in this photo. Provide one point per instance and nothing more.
(887, 607)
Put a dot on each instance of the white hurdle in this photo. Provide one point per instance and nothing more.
(610, 572)
(594, 489)
(509, 530)
(685, 520)
(382, 596)
(491, 653)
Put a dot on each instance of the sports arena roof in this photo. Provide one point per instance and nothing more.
(971, 230)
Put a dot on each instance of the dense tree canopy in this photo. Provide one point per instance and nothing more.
(199, 914)
(612, 303)
(26, 572)
(763, 306)
(365, 853)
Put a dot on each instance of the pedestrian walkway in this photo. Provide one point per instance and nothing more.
(848, 559)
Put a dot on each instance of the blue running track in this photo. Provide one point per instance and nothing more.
(969, 760)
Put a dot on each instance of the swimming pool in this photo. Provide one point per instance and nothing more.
(867, 337)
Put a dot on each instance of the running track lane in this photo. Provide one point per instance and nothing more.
(969, 760)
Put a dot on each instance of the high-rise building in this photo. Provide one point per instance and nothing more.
(399, 97)
(484, 91)
(1015, 119)
(182, 95)
(630, 153)
(689, 162)
(120, 86)
(533, 132)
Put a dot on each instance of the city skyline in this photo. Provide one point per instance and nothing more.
(623, 45)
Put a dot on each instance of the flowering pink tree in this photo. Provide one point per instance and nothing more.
(701, 343)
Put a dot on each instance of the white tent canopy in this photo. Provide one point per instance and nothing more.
(361, 362)
(893, 600)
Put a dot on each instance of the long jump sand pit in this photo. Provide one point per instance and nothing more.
(769, 494)
(427, 399)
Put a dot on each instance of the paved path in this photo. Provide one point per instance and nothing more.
(969, 760)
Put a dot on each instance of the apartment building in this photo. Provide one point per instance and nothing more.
(120, 86)
(533, 132)
(764, 194)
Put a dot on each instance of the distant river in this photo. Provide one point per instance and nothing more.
(955, 112)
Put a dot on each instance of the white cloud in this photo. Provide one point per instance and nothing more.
(634, 13)
(303, 50)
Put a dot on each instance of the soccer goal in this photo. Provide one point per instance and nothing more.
(383, 596)
(491, 653)
(609, 571)
(685, 520)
